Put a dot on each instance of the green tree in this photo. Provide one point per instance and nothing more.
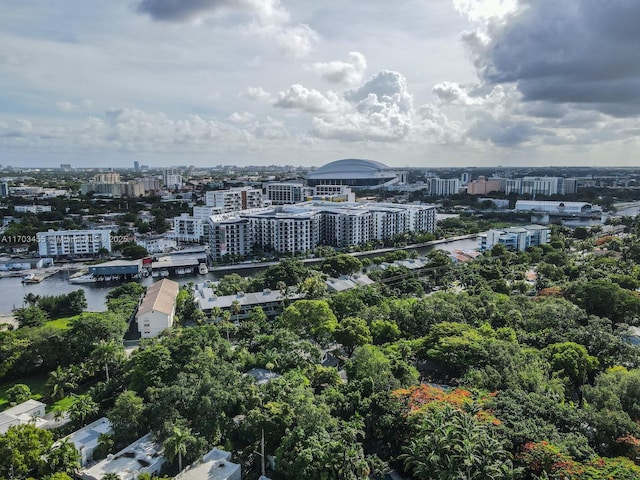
(178, 444)
(18, 393)
(59, 383)
(63, 458)
(384, 331)
(22, 451)
(313, 318)
(342, 264)
(452, 444)
(352, 332)
(107, 352)
(571, 361)
(127, 417)
(81, 407)
(32, 316)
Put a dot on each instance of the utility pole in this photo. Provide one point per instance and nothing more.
(262, 454)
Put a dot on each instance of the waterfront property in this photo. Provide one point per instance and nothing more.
(515, 238)
(303, 227)
(117, 270)
(57, 243)
(157, 310)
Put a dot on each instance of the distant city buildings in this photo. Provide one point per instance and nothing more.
(524, 186)
(4, 189)
(443, 187)
(32, 208)
(172, 178)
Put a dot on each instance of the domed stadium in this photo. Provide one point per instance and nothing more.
(356, 173)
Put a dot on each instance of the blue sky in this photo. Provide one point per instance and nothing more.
(418, 83)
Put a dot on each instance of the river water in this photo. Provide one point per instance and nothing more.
(13, 291)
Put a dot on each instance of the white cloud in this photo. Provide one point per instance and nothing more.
(241, 117)
(349, 73)
(309, 100)
(256, 94)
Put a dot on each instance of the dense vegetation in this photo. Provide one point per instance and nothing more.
(520, 366)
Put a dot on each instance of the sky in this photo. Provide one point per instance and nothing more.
(260, 82)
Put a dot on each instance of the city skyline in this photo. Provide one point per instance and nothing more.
(249, 82)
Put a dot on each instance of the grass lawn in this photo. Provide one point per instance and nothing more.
(35, 383)
(38, 390)
(60, 323)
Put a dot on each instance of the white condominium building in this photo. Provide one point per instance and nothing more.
(32, 208)
(73, 242)
(443, 187)
(187, 228)
(283, 193)
(304, 226)
(235, 199)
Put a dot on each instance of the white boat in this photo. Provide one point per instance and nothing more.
(164, 273)
(27, 278)
(202, 269)
(181, 271)
(88, 278)
(155, 273)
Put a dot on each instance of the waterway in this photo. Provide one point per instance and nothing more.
(13, 291)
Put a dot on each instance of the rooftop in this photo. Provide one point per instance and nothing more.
(215, 465)
(161, 297)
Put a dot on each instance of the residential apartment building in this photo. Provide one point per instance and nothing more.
(235, 199)
(109, 177)
(283, 193)
(172, 178)
(541, 186)
(483, 186)
(32, 208)
(187, 228)
(4, 189)
(515, 238)
(303, 227)
(443, 187)
(56, 243)
(157, 309)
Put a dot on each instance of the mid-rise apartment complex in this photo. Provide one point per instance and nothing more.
(73, 242)
(32, 208)
(443, 187)
(235, 199)
(515, 238)
(304, 226)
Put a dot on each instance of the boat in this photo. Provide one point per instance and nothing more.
(164, 273)
(181, 271)
(31, 279)
(27, 278)
(88, 278)
(202, 269)
(155, 273)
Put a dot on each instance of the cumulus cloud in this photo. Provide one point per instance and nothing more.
(67, 106)
(185, 10)
(349, 73)
(309, 100)
(584, 53)
(241, 117)
(19, 128)
(256, 94)
(270, 20)
(485, 9)
(453, 94)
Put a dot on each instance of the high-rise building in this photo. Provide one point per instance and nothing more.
(172, 178)
(136, 166)
(4, 189)
(443, 187)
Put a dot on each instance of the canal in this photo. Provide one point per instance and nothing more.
(13, 291)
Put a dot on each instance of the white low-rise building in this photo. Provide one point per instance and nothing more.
(215, 465)
(142, 456)
(32, 208)
(87, 438)
(157, 309)
(30, 411)
(515, 238)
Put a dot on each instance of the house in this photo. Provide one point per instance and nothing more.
(215, 465)
(30, 411)
(142, 456)
(86, 439)
(157, 309)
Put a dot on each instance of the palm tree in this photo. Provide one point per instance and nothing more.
(235, 308)
(31, 299)
(63, 457)
(82, 406)
(59, 382)
(178, 444)
(105, 352)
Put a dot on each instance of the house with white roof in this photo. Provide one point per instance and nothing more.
(30, 411)
(142, 456)
(86, 439)
(215, 465)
